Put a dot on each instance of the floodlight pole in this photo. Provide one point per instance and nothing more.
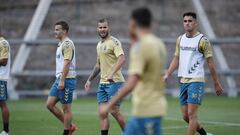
(24, 51)
(232, 92)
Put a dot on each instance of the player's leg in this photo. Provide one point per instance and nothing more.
(195, 94)
(184, 110)
(102, 99)
(66, 98)
(5, 116)
(183, 101)
(118, 116)
(67, 113)
(112, 90)
(51, 106)
(4, 107)
(52, 100)
(193, 120)
(104, 121)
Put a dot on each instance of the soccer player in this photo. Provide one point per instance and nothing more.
(192, 49)
(110, 58)
(65, 83)
(5, 60)
(145, 81)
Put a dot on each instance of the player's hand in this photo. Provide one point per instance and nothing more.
(87, 86)
(61, 85)
(165, 77)
(110, 78)
(218, 88)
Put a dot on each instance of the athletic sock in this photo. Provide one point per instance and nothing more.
(66, 132)
(104, 132)
(201, 131)
(5, 127)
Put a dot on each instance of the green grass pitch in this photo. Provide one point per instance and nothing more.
(219, 115)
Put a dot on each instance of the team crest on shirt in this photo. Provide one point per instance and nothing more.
(104, 49)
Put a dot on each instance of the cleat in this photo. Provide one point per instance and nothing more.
(72, 129)
(4, 133)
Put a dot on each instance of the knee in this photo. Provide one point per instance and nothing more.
(103, 114)
(192, 115)
(66, 110)
(49, 107)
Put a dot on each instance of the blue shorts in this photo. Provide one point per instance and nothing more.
(65, 96)
(3, 91)
(191, 93)
(143, 126)
(106, 91)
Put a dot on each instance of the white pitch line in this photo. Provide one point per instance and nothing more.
(209, 122)
(169, 118)
(175, 127)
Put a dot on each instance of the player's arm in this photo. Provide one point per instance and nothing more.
(212, 69)
(66, 65)
(206, 49)
(4, 52)
(68, 53)
(121, 60)
(96, 70)
(175, 61)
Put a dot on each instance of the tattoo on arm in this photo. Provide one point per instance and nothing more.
(94, 73)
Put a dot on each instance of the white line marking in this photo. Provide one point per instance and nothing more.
(166, 118)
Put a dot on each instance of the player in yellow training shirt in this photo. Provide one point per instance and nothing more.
(5, 61)
(192, 49)
(147, 62)
(65, 83)
(110, 58)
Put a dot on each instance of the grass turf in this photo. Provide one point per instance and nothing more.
(219, 115)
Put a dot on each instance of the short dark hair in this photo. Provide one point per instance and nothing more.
(102, 20)
(63, 24)
(192, 14)
(142, 16)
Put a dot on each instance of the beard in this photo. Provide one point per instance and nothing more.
(103, 35)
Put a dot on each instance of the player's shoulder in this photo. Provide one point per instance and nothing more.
(180, 37)
(204, 41)
(115, 41)
(68, 44)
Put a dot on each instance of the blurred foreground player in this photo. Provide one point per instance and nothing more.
(145, 81)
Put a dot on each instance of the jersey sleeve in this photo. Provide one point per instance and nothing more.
(177, 48)
(118, 50)
(4, 50)
(68, 50)
(206, 47)
(137, 61)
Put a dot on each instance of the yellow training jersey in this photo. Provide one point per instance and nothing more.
(108, 52)
(147, 60)
(205, 47)
(5, 54)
